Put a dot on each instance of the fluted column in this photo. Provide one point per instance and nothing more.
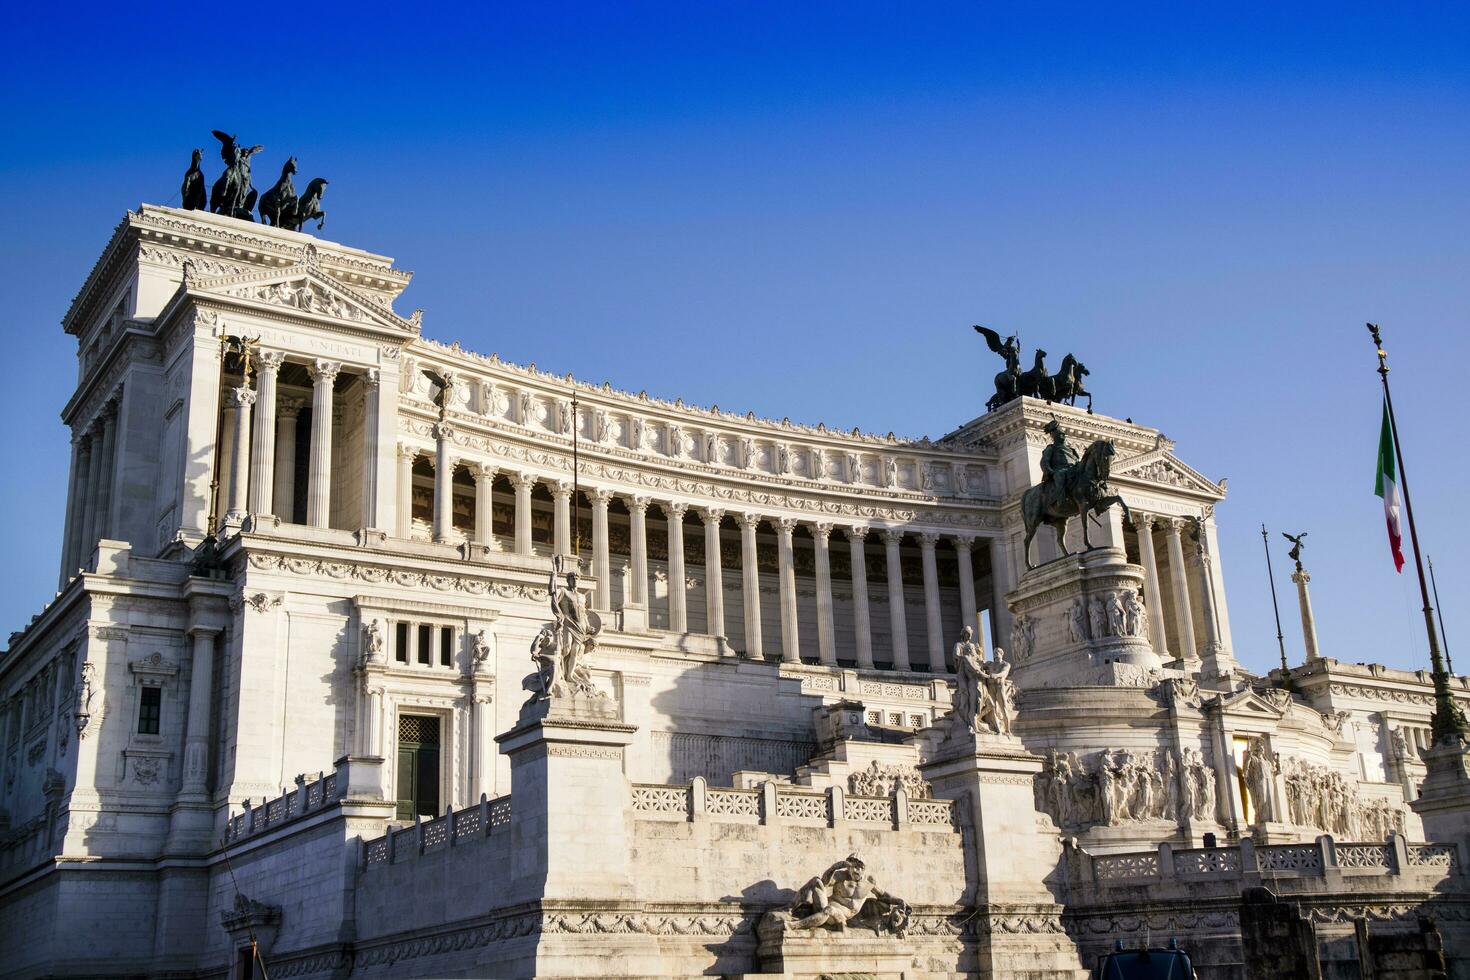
(484, 474)
(638, 548)
(523, 482)
(561, 518)
(1000, 584)
(263, 442)
(319, 473)
(240, 482)
(1183, 610)
(786, 572)
(406, 456)
(714, 573)
(751, 580)
(861, 623)
(678, 600)
(933, 617)
(443, 481)
(107, 472)
(372, 394)
(283, 493)
(81, 461)
(969, 613)
(88, 537)
(196, 732)
(223, 492)
(1153, 599)
(897, 620)
(826, 631)
(601, 565)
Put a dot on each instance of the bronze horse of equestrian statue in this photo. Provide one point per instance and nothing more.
(1085, 492)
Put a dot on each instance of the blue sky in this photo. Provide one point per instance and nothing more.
(799, 210)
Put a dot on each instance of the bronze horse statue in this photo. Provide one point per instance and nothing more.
(1085, 492)
(1067, 383)
(1036, 383)
(278, 205)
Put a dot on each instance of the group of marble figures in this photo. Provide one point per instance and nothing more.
(1120, 786)
(234, 193)
(1118, 613)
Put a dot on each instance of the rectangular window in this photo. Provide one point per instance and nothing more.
(446, 646)
(150, 710)
(400, 642)
(426, 650)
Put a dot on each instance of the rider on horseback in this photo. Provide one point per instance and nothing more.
(1057, 458)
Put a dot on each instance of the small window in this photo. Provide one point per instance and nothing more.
(425, 639)
(150, 709)
(400, 642)
(446, 646)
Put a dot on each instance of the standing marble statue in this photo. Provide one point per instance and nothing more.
(1077, 621)
(563, 645)
(1117, 615)
(969, 673)
(1136, 617)
(1099, 618)
(1259, 769)
(998, 705)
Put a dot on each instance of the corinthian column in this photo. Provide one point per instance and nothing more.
(786, 573)
(443, 482)
(1000, 584)
(1183, 611)
(969, 613)
(601, 565)
(1154, 604)
(714, 573)
(897, 619)
(107, 472)
(678, 606)
(263, 443)
(196, 732)
(826, 635)
(76, 507)
(88, 537)
(283, 493)
(240, 483)
(523, 482)
(933, 618)
(561, 518)
(638, 548)
(484, 474)
(1309, 622)
(406, 456)
(372, 398)
(751, 579)
(319, 474)
(861, 623)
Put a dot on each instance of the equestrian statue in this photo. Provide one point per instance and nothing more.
(1069, 487)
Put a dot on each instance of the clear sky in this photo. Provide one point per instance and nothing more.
(799, 209)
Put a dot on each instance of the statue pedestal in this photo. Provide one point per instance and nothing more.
(1444, 796)
(1051, 653)
(993, 778)
(812, 953)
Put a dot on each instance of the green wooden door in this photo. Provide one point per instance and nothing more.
(418, 766)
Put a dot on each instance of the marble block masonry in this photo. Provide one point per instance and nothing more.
(287, 689)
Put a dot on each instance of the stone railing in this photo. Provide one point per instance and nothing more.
(455, 827)
(778, 803)
(1320, 858)
(308, 797)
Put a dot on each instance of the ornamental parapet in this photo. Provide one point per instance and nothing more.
(775, 803)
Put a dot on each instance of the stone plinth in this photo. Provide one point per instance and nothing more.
(569, 800)
(1444, 797)
(809, 954)
(1052, 644)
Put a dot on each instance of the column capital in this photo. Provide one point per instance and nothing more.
(822, 531)
(243, 395)
(928, 539)
(963, 542)
(288, 407)
(1173, 525)
(1143, 522)
(785, 526)
(372, 378)
(749, 520)
(675, 510)
(108, 411)
(892, 536)
(205, 629)
(710, 515)
(560, 490)
(600, 496)
(483, 471)
(269, 360)
(639, 503)
(858, 532)
(443, 431)
(324, 372)
(523, 481)
(407, 452)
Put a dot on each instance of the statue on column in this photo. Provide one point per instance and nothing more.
(1070, 488)
(1297, 544)
(562, 646)
(845, 894)
(1007, 382)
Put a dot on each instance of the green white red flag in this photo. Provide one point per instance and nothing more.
(1388, 489)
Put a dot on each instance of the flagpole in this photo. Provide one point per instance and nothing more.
(1447, 723)
(576, 487)
(1271, 577)
(1449, 662)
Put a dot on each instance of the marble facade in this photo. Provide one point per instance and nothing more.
(337, 699)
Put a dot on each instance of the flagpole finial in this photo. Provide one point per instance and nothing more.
(1378, 345)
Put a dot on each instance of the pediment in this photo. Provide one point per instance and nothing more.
(1160, 466)
(304, 290)
(1275, 703)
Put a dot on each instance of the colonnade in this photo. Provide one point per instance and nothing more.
(1183, 643)
(858, 535)
(89, 503)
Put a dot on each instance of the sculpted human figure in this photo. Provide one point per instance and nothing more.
(1057, 458)
(1135, 617)
(1099, 618)
(846, 893)
(373, 645)
(1077, 621)
(1117, 615)
(1259, 769)
(563, 645)
(998, 703)
(969, 683)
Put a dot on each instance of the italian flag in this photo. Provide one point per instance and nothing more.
(1388, 489)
